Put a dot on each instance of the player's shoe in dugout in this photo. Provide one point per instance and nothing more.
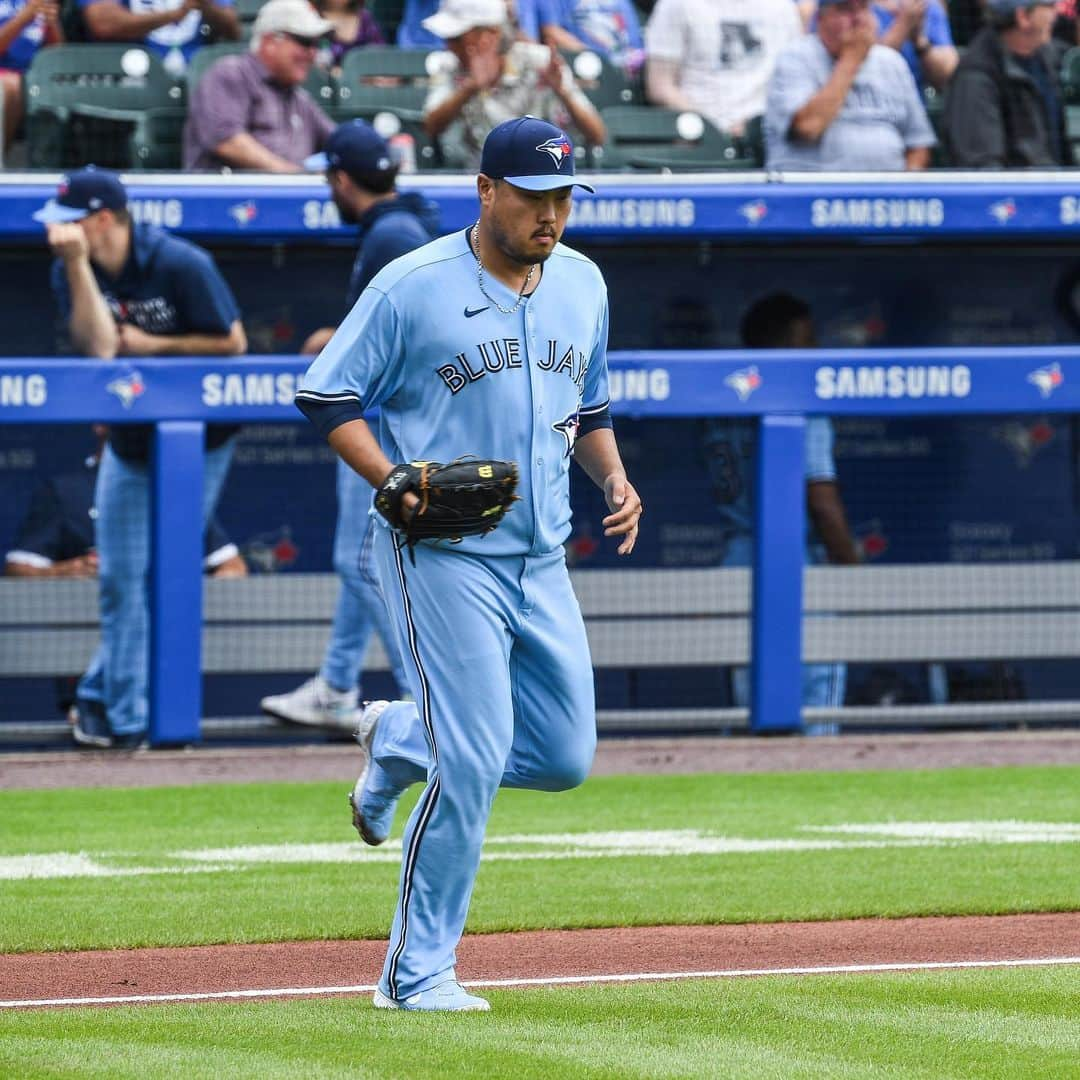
(315, 704)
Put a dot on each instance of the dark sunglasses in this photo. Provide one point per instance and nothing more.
(303, 42)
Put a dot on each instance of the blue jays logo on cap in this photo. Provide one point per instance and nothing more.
(559, 148)
(530, 153)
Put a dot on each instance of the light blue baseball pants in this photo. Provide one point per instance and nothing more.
(117, 675)
(360, 606)
(498, 662)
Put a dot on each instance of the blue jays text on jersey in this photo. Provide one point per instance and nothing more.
(453, 375)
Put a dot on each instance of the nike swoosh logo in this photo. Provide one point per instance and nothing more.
(469, 314)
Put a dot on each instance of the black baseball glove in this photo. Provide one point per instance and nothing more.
(466, 497)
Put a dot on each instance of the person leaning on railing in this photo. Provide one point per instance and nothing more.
(131, 290)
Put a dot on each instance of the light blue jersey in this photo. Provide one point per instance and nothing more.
(453, 375)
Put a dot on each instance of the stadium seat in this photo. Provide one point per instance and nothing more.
(364, 84)
(1070, 77)
(644, 137)
(387, 87)
(203, 59)
(113, 105)
(603, 82)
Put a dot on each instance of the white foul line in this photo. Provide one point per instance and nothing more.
(557, 980)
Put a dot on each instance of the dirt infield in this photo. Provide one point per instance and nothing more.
(691, 754)
(544, 955)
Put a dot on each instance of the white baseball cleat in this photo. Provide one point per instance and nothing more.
(315, 704)
(372, 813)
(449, 996)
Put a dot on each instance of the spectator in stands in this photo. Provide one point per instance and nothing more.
(251, 111)
(170, 29)
(56, 536)
(485, 78)
(838, 101)
(25, 27)
(919, 30)
(1004, 107)
(131, 290)
(608, 27)
(715, 57)
(362, 184)
(781, 321)
(354, 27)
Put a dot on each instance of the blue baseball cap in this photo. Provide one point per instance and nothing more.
(354, 147)
(83, 193)
(530, 154)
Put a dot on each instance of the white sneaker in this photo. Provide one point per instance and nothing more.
(372, 817)
(315, 704)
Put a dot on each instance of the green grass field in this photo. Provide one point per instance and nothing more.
(136, 830)
(975, 1024)
(264, 862)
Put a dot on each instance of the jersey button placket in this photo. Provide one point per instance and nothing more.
(536, 387)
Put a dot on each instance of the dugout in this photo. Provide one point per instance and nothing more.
(887, 264)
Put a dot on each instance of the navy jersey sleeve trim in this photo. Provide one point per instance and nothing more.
(326, 414)
(598, 416)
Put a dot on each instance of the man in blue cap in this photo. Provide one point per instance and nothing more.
(362, 181)
(490, 341)
(135, 291)
(1005, 108)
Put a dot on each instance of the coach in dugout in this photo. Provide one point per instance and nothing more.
(840, 102)
(134, 291)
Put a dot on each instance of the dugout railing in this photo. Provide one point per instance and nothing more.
(708, 616)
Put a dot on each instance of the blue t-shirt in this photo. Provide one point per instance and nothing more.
(729, 446)
(610, 27)
(411, 33)
(168, 286)
(935, 26)
(453, 374)
(21, 51)
(175, 42)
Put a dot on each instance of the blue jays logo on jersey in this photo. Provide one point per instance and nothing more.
(568, 429)
(128, 388)
(558, 149)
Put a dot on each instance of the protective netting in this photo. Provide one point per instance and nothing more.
(963, 607)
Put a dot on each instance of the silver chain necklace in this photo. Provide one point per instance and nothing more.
(480, 277)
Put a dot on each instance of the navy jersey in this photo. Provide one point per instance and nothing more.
(167, 286)
(453, 375)
(387, 231)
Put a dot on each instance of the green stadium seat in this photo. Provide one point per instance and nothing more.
(604, 83)
(645, 137)
(113, 105)
(205, 58)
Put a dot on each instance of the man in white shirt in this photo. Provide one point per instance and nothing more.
(715, 57)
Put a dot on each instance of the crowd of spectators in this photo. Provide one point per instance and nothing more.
(819, 84)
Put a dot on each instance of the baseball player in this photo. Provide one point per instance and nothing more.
(362, 184)
(489, 341)
(781, 321)
(131, 290)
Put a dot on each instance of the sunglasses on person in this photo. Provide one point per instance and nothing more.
(299, 39)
